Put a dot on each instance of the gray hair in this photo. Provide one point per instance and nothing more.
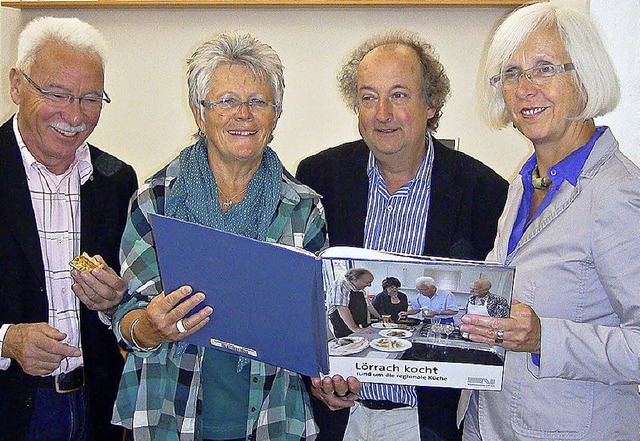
(435, 83)
(484, 283)
(233, 49)
(428, 281)
(594, 74)
(356, 273)
(71, 32)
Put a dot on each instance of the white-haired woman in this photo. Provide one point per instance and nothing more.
(231, 180)
(571, 227)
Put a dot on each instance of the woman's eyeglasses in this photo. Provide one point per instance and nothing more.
(537, 75)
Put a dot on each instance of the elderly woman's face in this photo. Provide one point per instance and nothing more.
(477, 289)
(238, 135)
(542, 112)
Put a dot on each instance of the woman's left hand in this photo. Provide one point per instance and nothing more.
(520, 332)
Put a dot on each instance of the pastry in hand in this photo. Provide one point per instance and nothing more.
(84, 262)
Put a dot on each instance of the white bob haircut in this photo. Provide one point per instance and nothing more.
(71, 32)
(594, 73)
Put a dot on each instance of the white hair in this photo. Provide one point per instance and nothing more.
(594, 73)
(428, 281)
(71, 32)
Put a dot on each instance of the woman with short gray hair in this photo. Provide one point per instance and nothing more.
(230, 180)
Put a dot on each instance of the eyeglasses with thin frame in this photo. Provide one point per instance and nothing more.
(91, 101)
(231, 106)
(537, 75)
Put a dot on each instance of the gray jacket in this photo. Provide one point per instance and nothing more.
(577, 266)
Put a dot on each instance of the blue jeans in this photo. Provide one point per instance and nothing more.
(58, 417)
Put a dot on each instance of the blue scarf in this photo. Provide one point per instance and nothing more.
(194, 196)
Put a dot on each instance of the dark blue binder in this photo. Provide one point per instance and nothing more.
(267, 299)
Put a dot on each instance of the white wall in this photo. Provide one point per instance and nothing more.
(10, 27)
(148, 121)
(619, 25)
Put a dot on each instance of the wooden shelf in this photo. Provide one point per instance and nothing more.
(25, 4)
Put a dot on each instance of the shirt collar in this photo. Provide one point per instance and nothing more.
(569, 168)
(82, 160)
(350, 285)
(423, 173)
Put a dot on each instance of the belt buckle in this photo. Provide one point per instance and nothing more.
(70, 381)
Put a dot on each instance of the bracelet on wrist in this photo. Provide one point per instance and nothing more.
(133, 341)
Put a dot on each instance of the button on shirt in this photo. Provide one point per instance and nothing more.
(56, 204)
(397, 223)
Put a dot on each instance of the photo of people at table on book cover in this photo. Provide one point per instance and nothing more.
(379, 311)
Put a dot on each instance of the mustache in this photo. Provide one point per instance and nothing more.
(68, 128)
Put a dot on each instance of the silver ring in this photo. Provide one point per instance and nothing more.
(180, 326)
(499, 336)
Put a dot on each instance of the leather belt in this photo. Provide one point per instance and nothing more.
(381, 404)
(64, 383)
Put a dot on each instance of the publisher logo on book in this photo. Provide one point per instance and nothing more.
(488, 383)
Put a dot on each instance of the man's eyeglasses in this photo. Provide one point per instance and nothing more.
(228, 106)
(537, 75)
(90, 101)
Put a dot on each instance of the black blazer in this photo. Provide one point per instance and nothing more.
(104, 201)
(467, 198)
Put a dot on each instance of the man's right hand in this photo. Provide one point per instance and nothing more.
(37, 347)
(336, 392)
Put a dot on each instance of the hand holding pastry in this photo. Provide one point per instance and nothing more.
(97, 284)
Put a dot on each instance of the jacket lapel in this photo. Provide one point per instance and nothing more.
(356, 193)
(87, 224)
(603, 149)
(351, 196)
(507, 221)
(562, 199)
(444, 195)
(16, 208)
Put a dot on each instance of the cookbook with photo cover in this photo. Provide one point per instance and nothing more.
(270, 303)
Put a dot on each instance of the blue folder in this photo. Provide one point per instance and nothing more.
(267, 300)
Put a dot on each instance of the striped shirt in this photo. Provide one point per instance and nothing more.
(56, 204)
(397, 223)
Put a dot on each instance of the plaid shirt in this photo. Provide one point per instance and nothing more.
(160, 395)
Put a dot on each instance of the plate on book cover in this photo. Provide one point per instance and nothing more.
(397, 333)
(347, 345)
(383, 325)
(390, 344)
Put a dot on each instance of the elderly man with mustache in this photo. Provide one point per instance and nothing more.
(59, 360)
